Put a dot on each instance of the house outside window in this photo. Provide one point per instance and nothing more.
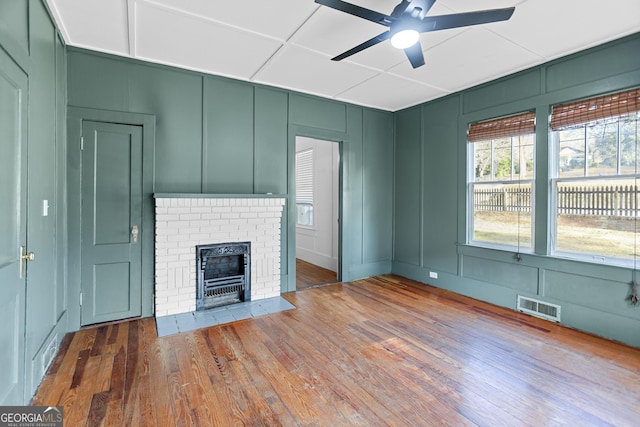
(304, 188)
(501, 160)
(595, 178)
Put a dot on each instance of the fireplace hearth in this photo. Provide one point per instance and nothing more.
(223, 274)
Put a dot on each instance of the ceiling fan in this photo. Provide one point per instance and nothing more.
(408, 20)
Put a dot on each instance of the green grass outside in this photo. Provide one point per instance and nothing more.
(582, 234)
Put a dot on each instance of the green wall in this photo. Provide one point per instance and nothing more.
(29, 36)
(221, 136)
(430, 195)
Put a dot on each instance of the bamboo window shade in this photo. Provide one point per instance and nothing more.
(521, 124)
(592, 110)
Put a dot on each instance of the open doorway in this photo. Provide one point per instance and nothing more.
(317, 212)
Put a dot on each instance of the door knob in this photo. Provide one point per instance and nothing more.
(134, 233)
(30, 256)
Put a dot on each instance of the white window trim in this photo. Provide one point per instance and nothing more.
(554, 179)
(470, 203)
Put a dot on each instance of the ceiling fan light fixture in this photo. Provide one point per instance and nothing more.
(404, 39)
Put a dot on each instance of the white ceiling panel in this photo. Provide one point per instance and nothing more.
(457, 6)
(170, 37)
(480, 55)
(295, 67)
(332, 32)
(275, 18)
(290, 43)
(553, 28)
(95, 24)
(378, 91)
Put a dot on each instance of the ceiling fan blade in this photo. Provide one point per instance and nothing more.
(456, 20)
(352, 9)
(362, 46)
(414, 53)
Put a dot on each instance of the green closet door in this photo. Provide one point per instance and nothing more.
(13, 196)
(111, 222)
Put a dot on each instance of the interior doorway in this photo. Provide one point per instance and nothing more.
(317, 167)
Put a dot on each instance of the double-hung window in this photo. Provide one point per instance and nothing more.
(304, 188)
(501, 162)
(595, 177)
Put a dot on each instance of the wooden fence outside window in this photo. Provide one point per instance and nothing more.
(613, 200)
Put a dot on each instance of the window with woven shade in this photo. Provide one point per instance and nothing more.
(501, 159)
(595, 177)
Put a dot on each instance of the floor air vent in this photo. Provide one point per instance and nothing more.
(537, 308)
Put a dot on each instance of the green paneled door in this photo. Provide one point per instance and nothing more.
(13, 235)
(111, 222)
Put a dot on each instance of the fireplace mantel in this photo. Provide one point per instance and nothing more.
(185, 220)
(217, 196)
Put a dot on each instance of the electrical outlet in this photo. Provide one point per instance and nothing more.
(433, 274)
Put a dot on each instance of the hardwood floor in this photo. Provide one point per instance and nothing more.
(381, 351)
(309, 275)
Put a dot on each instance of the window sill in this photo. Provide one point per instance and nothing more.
(595, 259)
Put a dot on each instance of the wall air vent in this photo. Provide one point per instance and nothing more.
(540, 309)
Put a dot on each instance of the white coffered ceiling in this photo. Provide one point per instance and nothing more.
(289, 43)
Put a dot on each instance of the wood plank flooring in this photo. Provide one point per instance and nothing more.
(381, 351)
(309, 275)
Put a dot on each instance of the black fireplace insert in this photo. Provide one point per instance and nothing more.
(223, 274)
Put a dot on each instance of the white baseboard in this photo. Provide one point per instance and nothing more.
(315, 258)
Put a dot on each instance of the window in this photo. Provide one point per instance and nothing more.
(595, 177)
(500, 188)
(304, 188)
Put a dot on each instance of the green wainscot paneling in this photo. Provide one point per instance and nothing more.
(440, 184)
(520, 86)
(378, 186)
(60, 193)
(96, 81)
(41, 230)
(596, 64)
(407, 186)
(271, 122)
(482, 290)
(175, 98)
(228, 136)
(510, 275)
(361, 271)
(318, 113)
(351, 158)
(14, 28)
(587, 291)
(609, 325)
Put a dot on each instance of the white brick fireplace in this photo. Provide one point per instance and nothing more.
(184, 221)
